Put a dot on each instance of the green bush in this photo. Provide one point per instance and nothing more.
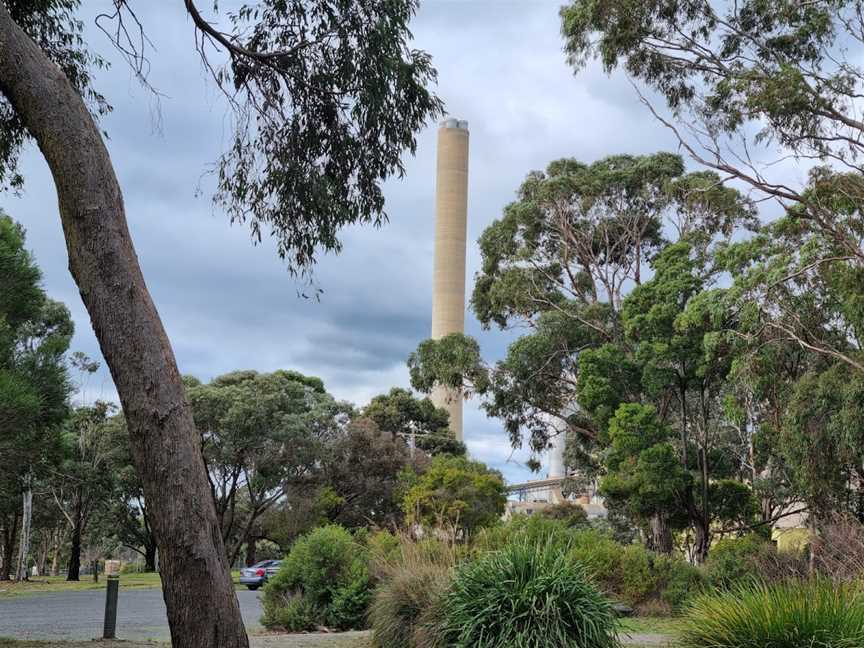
(794, 614)
(138, 567)
(532, 529)
(635, 575)
(525, 596)
(384, 547)
(601, 556)
(735, 561)
(638, 577)
(323, 581)
(570, 513)
(679, 581)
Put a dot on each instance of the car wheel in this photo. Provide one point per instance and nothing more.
(253, 587)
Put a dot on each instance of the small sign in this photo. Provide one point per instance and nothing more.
(112, 567)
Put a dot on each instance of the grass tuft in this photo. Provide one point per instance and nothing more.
(526, 596)
(796, 614)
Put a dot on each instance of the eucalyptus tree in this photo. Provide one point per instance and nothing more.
(84, 483)
(666, 376)
(261, 434)
(749, 84)
(617, 314)
(414, 420)
(823, 440)
(35, 332)
(326, 98)
(560, 262)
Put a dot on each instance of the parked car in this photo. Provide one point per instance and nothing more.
(255, 576)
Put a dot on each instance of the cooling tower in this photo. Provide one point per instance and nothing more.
(451, 222)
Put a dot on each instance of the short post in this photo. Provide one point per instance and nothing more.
(112, 572)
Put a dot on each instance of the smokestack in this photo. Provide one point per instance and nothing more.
(451, 222)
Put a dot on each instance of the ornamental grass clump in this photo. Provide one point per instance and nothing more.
(525, 596)
(406, 604)
(795, 614)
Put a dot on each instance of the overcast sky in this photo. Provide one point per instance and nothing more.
(229, 305)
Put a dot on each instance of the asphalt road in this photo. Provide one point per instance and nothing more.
(79, 615)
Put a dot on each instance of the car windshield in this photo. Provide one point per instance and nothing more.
(263, 563)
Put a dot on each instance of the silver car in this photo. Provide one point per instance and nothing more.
(255, 576)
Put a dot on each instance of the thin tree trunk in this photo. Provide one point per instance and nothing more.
(58, 546)
(42, 556)
(198, 591)
(702, 541)
(22, 572)
(9, 533)
(251, 550)
(73, 572)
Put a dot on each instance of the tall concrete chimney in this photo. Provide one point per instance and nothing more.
(451, 223)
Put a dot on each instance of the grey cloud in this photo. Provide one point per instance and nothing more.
(227, 304)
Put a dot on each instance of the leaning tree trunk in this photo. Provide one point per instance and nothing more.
(26, 523)
(199, 595)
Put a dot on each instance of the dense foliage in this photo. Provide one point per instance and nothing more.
(456, 495)
(323, 581)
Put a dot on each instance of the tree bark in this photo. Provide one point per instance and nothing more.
(150, 558)
(251, 550)
(22, 572)
(73, 572)
(661, 535)
(198, 591)
(9, 533)
(56, 549)
(42, 556)
(702, 541)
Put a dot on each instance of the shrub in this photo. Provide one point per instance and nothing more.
(681, 581)
(570, 513)
(734, 561)
(323, 581)
(652, 582)
(525, 596)
(794, 614)
(384, 547)
(601, 556)
(533, 529)
(638, 578)
(838, 550)
(406, 603)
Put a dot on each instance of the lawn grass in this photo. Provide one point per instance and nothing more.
(650, 625)
(43, 584)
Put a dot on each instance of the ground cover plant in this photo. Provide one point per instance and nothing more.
(796, 614)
